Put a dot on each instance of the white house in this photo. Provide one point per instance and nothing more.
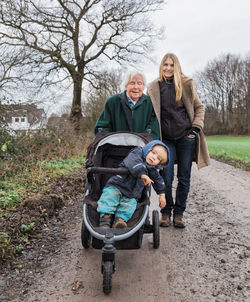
(24, 118)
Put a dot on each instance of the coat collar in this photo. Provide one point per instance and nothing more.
(123, 96)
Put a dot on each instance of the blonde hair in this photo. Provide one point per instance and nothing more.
(179, 77)
(164, 154)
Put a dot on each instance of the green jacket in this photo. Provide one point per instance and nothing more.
(117, 116)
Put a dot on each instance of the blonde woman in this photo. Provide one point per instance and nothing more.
(181, 118)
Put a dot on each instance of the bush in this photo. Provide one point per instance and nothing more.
(23, 151)
(29, 159)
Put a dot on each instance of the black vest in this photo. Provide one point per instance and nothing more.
(175, 122)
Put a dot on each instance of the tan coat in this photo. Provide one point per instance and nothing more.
(195, 110)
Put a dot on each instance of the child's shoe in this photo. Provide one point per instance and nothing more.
(119, 223)
(105, 221)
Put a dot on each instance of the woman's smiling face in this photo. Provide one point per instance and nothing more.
(135, 87)
(168, 68)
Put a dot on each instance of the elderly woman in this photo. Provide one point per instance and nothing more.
(181, 117)
(130, 110)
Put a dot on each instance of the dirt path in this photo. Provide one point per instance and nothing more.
(209, 260)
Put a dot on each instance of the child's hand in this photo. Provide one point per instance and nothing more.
(162, 201)
(147, 181)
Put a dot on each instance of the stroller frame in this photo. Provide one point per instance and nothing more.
(109, 237)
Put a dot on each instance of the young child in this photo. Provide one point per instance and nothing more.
(121, 192)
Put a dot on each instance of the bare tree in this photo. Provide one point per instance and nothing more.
(11, 59)
(71, 39)
(245, 104)
(223, 85)
(107, 84)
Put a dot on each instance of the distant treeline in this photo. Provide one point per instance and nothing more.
(224, 88)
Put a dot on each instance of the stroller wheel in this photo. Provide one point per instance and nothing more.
(156, 229)
(107, 271)
(85, 236)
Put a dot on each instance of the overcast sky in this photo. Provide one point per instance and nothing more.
(200, 30)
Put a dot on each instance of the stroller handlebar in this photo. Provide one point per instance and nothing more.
(102, 170)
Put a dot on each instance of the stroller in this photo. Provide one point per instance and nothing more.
(104, 155)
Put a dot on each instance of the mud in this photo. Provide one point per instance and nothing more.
(209, 260)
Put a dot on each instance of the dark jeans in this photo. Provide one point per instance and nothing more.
(183, 149)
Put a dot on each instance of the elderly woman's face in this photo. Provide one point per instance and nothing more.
(135, 87)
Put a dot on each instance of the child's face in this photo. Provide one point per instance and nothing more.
(156, 155)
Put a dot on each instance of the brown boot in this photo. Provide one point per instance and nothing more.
(165, 221)
(105, 221)
(119, 223)
(179, 222)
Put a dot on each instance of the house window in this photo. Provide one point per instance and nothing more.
(16, 119)
(22, 119)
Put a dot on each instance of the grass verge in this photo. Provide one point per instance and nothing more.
(230, 149)
(35, 179)
(29, 203)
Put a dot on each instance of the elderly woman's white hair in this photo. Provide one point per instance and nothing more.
(130, 74)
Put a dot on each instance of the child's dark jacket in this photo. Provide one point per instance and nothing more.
(132, 185)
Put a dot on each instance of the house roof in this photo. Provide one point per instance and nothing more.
(31, 111)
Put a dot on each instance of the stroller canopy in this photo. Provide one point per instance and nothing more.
(116, 139)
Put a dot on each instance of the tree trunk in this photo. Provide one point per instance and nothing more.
(76, 109)
(247, 127)
(230, 116)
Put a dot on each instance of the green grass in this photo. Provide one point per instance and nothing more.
(61, 167)
(230, 148)
(35, 179)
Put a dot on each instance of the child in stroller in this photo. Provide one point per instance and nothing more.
(104, 155)
(120, 194)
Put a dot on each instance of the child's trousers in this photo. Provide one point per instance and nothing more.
(113, 202)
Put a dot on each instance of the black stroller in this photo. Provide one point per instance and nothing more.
(103, 157)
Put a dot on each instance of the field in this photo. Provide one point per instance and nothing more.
(230, 148)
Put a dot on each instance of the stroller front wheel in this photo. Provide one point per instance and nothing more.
(156, 229)
(107, 271)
